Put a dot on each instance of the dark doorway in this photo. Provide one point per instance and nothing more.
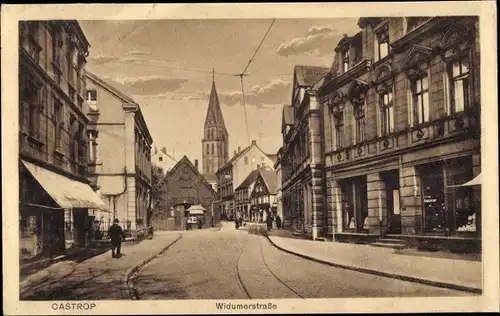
(391, 180)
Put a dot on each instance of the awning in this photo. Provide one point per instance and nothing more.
(196, 210)
(473, 182)
(66, 193)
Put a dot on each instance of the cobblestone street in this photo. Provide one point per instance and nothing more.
(234, 264)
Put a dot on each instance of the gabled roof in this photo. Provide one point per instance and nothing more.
(214, 112)
(273, 157)
(242, 153)
(110, 88)
(185, 161)
(309, 75)
(252, 176)
(269, 177)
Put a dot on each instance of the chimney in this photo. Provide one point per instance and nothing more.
(196, 164)
(254, 142)
(239, 149)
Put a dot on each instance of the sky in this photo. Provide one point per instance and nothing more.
(166, 66)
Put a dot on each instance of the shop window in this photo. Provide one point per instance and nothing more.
(387, 111)
(460, 199)
(459, 74)
(420, 95)
(434, 207)
(348, 219)
(382, 43)
(338, 119)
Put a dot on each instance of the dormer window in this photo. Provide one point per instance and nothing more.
(345, 59)
(382, 43)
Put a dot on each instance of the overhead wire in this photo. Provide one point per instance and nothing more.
(243, 73)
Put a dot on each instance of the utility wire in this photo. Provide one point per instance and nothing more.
(243, 74)
(262, 41)
(244, 107)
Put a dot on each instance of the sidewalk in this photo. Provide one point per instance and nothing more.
(465, 275)
(100, 277)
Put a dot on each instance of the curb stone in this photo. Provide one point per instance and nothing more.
(384, 274)
(130, 291)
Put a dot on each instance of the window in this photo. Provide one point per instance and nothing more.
(208, 149)
(55, 40)
(58, 123)
(420, 94)
(459, 85)
(32, 93)
(245, 160)
(382, 43)
(212, 146)
(34, 36)
(261, 158)
(345, 59)
(91, 95)
(339, 129)
(93, 147)
(359, 116)
(73, 143)
(387, 111)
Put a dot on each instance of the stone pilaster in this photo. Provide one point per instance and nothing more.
(317, 199)
(377, 206)
(411, 201)
(336, 206)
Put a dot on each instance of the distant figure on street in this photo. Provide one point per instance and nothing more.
(116, 235)
(269, 222)
(200, 223)
(278, 221)
(236, 223)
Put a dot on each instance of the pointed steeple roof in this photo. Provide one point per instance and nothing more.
(214, 112)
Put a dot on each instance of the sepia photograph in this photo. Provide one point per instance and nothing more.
(250, 161)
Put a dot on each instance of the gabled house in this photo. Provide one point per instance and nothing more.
(263, 195)
(183, 185)
(232, 174)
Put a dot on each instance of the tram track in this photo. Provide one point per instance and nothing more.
(241, 282)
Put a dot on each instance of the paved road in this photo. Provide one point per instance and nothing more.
(231, 264)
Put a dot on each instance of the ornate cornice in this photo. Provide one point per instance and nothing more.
(358, 70)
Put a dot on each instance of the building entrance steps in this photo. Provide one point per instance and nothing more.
(458, 274)
(390, 243)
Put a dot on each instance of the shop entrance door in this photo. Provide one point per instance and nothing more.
(391, 180)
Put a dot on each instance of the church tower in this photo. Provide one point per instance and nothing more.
(215, 151)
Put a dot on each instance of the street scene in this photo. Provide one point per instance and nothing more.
(218, 159)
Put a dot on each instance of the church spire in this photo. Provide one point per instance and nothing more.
(214, 116)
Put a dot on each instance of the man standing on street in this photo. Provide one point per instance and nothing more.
(116, 235)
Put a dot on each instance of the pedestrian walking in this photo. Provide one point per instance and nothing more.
(278, 221)
(116, 236)
(236, 223)
(269, 222)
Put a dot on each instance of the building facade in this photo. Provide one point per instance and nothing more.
(55, 195)
(120, 155)
(279, 203)
(401, 110)
(302, 160)
(263, 195)
(215, 142)
(183, 187)
(242, 195)
(232, 174)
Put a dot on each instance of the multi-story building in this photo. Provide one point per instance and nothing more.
(279, 203)
(242, 195)
(215, 142)
(54, 190)
(302, 155)
(263, 195)
(401, 121)
(232, 174)
(120, 154)
(184, 186)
